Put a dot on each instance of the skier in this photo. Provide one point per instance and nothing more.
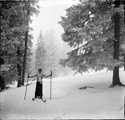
(39, 83)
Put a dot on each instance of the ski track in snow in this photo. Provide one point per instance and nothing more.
(67, 100)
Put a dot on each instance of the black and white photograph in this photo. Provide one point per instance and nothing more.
(62, 59)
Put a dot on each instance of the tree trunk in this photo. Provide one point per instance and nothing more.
(19, 74)
(2, 83)
(124, 27)
(25, 52)
(2, 80)
(124, 62)
(19, 83)
(25, 57)
(116, 79)
(19, 67)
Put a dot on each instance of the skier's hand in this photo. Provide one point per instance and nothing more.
(41, 82)
(28, 75)
(50, 74)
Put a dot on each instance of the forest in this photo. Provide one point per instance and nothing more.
(17, 56)
(15, 43)
(93, 29)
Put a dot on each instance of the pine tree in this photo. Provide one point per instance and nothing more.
(52, 53)
(40, 53)
(13, 26)
(89, 31)
(47, 54)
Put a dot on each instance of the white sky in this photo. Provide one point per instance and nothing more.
(57, 2)
(48, 18)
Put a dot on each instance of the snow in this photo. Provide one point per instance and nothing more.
(68, 101)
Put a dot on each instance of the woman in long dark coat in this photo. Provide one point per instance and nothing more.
(39, 83)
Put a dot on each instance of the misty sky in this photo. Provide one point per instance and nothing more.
(48, 18)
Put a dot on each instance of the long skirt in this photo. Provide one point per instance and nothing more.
(39, 90)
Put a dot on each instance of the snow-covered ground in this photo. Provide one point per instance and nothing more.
(68, 101)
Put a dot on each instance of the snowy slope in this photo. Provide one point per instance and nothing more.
(68, 101)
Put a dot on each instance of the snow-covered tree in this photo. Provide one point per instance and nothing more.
(47, 54)
(52, 52)
(40, 53)
(14, 21)
(89, 28)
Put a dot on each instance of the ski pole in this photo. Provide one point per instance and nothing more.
(51, 85)
(26, 87)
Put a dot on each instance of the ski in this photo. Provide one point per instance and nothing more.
(39, 98)
(33, 99)
(43, 100)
